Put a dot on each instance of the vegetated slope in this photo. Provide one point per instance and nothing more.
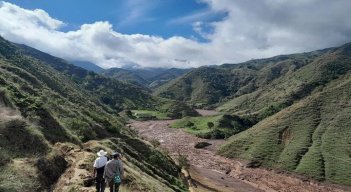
(299, 103)
(116, 94)
(306, 120)
(208, 86)
(291, 87)
(47, 107)
(125, 75)
(166, 76)
(146, 77)
(88, 66)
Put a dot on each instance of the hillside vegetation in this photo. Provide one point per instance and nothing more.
(146, 77)
(311, 137)
(48, 107)
(208, 86)
(299, 105)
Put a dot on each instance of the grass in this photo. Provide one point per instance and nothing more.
(199, 124)
(59, 103)
(214, 127)
(19, 175)
(147, 113)
(311, 137)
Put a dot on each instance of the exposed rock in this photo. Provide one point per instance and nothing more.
(201, 145)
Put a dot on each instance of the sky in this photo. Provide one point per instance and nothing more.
(175, 33)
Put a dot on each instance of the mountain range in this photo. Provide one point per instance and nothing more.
(146, 77)
(289, 112)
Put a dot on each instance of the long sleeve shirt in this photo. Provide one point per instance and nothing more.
(112, 168)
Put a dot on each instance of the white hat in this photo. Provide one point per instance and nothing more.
(101, 153)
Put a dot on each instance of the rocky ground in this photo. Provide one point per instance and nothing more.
(211, 172)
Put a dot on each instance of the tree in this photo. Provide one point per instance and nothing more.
(210, 125)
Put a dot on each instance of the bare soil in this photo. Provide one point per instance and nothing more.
(212, 172)
(7, 113)
(207, 112)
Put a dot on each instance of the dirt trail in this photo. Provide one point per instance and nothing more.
(212, 172)
(77, 171)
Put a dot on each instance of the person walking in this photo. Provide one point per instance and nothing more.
(99, 168)
(114, 168)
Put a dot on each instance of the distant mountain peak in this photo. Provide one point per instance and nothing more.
(88, 66)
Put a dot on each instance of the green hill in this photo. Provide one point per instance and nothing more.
(88, 66)
(49, 107)
(311, 137)
(118, 95)
(299, 105)
(208, 86)
(146, 77)
(125, 75)
(306, 120)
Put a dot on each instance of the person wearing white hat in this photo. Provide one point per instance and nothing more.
(99, 167)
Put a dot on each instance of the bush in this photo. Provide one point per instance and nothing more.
(183, 161)
(214, 134)
(177, 110)
(4, 158)
(83, 130)
(17, 135)
(50, 169)
(189, 124)
(271, 110)
(210, 125)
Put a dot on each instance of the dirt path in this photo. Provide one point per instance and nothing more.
(212, 172)
(76, 172)
(78, 176)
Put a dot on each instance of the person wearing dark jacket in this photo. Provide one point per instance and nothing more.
(113, 167)
(99, 168)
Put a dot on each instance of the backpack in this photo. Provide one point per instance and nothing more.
(117, 179)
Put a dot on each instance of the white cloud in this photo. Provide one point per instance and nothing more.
(136, 11)
(251, 29)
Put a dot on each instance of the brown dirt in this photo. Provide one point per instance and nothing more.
(79, 170)
(74, 176)
(212, 172)
(7, 113)
(207, 112)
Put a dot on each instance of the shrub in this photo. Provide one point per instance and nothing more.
(214, 134)
(16, 134)
(155, 143)
(50, 169)
(210, 125)
(189, 124)
(4, 158)
(183, 161)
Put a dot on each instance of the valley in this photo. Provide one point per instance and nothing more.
(212, 172)
(279, 124)
(192, 95)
